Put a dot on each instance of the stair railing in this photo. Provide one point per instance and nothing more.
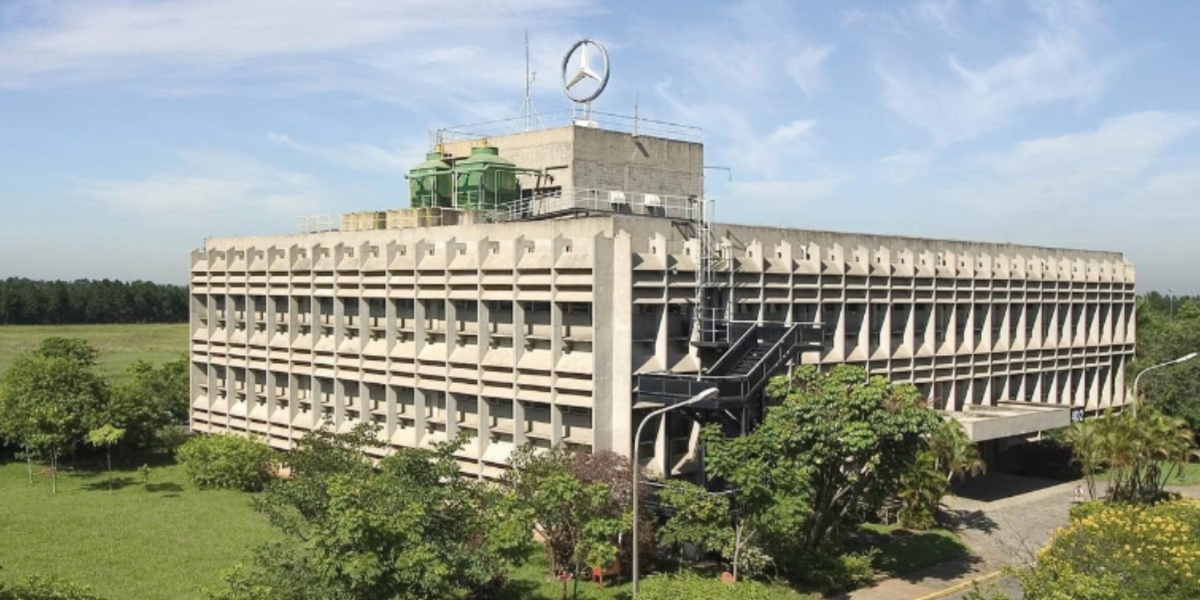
(732, 387)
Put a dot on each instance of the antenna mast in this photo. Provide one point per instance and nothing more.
(528, 110)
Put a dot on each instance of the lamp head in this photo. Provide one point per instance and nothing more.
(1186, 357)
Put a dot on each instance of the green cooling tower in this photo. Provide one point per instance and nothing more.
(430, 183)
(484, 181)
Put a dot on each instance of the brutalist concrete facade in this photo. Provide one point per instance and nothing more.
(533, 331)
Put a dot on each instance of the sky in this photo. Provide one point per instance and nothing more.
(130, 130)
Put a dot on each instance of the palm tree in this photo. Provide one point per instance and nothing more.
(954, 453)
(1142, 452)
(1085, 440)
(921, 490)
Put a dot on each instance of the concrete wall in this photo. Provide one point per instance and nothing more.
(532, 331)
(598, 159)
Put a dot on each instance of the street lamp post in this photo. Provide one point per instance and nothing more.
(1181, 359)
(701, 397)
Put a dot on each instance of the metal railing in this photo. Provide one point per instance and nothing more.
(672, 387)
(608, 201)
(745, 335)
(316, 223)
(564, 118)
(714, 328)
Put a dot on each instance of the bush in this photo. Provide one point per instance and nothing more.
(831, 572)
(227, 462)
(1121, 551)
(688, 586)
(45, 588)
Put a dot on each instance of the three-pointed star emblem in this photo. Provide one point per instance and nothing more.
(576, 70)
(585, 69)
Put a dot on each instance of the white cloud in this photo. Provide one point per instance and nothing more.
(208, 187)
(903, 167)
(1078, 169)
(755, 67)
(807, 68)
(1054, 63)
(782, 201)
(356, 156)
(940, 13)
(793, 132)
(401, 51)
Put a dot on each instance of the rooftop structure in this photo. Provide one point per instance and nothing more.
(552, 286)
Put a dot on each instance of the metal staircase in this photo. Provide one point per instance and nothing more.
(740, 374)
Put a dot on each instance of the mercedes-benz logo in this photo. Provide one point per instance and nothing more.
(584, 71)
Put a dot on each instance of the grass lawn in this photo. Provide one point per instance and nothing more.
(162, 541)
(1189, 476)
(906, 551)
(119, 345)
(531, 582)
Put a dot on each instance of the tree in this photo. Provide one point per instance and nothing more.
(697, 517)
(148, 399)
(28, 302)
(106, 436)
(1163, 336)
(580, 514)
(1142, 452)
(73, 349)
(920, 492)
(1086, 442)
(411, 529)
(831, 446)
(46, 399)
(953, 451)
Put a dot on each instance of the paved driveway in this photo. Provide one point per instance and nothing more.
(1004, 519)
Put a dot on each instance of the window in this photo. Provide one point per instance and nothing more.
(537, 307)
(577, 308)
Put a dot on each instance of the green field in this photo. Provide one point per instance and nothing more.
(163, 541)
(119, 345)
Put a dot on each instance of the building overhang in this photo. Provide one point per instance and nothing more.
(1010, 419)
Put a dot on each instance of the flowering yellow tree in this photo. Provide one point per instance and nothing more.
(1121, 551)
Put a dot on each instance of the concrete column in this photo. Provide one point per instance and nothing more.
(419, 413)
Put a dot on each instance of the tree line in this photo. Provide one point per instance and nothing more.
(88, 301)
(1169, 328)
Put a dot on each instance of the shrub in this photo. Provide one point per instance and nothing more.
(227, 462)
(45, 588)
(1121, 551)
(831, 572)
(688, 586)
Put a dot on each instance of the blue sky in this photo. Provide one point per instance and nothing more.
(130, 129)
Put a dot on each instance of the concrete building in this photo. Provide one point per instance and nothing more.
(602, 291)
